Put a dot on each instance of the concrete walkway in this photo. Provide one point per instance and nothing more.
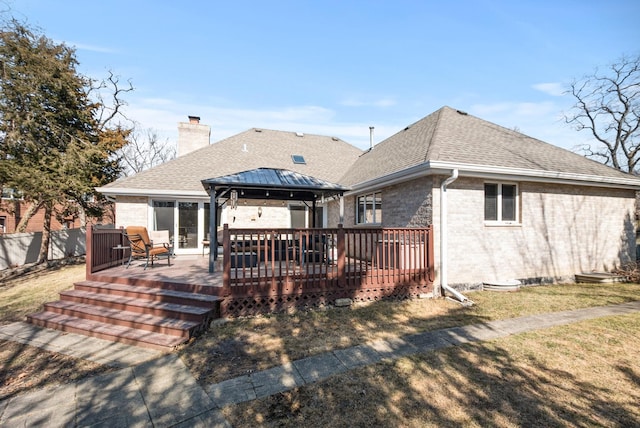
(161, 392)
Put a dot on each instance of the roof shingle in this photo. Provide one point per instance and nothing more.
(449, 135)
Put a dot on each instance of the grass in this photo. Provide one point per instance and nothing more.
(257, 343)
(22, 367)
(583, 374)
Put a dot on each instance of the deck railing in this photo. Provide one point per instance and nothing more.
(266, 270)
(270, 269)
(106, 248)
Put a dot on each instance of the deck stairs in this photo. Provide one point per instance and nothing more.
(148, 316)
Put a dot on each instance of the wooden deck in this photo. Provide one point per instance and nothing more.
(186, 273)
(267, 271)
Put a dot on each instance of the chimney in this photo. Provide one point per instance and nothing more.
(192, 136)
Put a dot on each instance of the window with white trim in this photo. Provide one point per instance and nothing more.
(369, 208)
(501, 203)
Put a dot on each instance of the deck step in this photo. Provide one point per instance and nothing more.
(170, 326)
(142, 306)
(149, 293)
(101, 330)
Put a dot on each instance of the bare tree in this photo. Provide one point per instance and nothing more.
(145, 150)
(608, 105)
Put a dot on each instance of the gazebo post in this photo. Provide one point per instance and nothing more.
(313, 214)
(213, 230)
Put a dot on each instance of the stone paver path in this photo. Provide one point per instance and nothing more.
(161, 392)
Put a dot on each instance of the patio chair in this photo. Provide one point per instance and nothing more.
(142, 246)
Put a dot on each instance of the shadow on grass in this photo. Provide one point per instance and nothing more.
(477, 384)
(24, 368)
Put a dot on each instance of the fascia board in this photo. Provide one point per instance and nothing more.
(492, 172)
(113, 191)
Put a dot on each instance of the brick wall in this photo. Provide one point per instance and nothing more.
(404, 205)
(13, 210)
(564, 230)
(132, 210)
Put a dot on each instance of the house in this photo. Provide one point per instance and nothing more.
(503, 205)
(12, 210)
(171, 196)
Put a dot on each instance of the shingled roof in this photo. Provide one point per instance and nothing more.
(441, 141)
(454, 138)
(326, 158)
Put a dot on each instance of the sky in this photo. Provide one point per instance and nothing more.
(337, 67)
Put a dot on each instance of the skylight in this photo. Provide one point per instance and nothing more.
(298, 159)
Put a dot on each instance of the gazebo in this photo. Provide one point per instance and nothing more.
(266, 183)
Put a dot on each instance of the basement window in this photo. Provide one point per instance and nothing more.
(299, 159)
(500, 203)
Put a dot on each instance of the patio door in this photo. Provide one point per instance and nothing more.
(163, 217)
(186, 221)
(187, 225)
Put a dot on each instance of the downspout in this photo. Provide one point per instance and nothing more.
(443, 243)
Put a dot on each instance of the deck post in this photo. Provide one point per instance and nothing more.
(430, 262)
(340, 236)
(226, 256)
(89, 252)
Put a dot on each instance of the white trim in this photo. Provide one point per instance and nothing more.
(495, 173)
(111, 191)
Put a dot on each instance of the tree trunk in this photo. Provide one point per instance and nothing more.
(33, 208)
(43, 256)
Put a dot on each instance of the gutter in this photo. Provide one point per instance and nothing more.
(492, 172)
(444, 286)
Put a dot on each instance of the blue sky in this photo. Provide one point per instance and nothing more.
(336, 67)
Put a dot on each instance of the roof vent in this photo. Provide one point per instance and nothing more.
(299, 134)
(244, 148)
(407, 128)
(335, 138)
(258, 130)
(464, 113)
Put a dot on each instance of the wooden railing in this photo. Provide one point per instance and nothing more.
(268, 269)
(101, 248)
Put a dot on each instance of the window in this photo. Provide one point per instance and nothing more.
(10, 193)
(500, 203)
(298, 159)
(3, 224)
(369, 209)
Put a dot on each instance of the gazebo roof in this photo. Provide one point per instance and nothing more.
(271, 183)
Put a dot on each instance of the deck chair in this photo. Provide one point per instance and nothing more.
(142, 246)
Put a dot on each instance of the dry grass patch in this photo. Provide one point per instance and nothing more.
(23, 367)
(25, 295)
(583, 374)
(249, 344)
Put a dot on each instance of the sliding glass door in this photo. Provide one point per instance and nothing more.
(186, 221)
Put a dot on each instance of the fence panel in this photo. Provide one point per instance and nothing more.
(18, 249)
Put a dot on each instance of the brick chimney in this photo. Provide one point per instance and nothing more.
(192, 136)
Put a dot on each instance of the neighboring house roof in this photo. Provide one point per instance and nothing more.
(281, 183)
(326, 158)
(448, 139)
